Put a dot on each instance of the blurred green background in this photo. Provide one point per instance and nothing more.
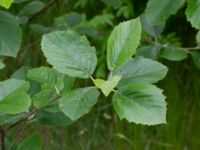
(101, 129)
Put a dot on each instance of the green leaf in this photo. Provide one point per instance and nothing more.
(149, 51)
(123, 42)
(69, 53)
(43, 75)
(69, 20)
(107, 86)
(13, 96)
(21, 73)
(141, 104)
(153, 30)
(173, 54)
(1, 65)
(141, 70)
(158, 11)
(20, 1)
(42, 98)
(53, 119)
(10, 37)
(33, 142)
(193, 13)
(31, 8)
(6, 3)
(198, 37)
(101, 20)
(78, 102)
(10, 119)
(196, 58)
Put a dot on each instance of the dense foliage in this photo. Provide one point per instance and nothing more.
(62, 60)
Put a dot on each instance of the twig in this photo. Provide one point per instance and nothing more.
(22, 120)
(21, 133)
(2, 136)
(30, 114)
(19, 136)
(29, 45)
(187, 49)
(51, 3)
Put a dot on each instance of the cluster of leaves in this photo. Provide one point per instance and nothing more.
(47, 95)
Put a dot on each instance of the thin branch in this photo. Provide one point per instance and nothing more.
(166, 45)
(2, 136)
(19, 136)
(51, 3)
(31, 113)
(30, 45)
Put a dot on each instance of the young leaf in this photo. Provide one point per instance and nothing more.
(173, 54)
(196, 58)
(193, 13)
(43, 75)
(107, 86)
(33, 142)
(123, 42)
(78, 102)
(158, 11)
(141, 70)
(13, 96)
(141, 104)
(10, 37)
(69, 53)
(6, 3)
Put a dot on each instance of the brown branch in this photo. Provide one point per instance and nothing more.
(19, 136)
(51, 3)
(29, 45)
(22, 120)
(30, 114)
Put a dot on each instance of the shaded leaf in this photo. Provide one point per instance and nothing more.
(78, 102)
(32, 142)
(13, 96)
(173, 54)
(53, 119)
(196, 58)
(31, 8)
(198, 37)
(1, 65)
(43, 75)
(193, 13)
(42, 98)
(158, 11)
(10, 37)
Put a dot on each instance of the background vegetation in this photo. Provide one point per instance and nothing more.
(101, 128)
